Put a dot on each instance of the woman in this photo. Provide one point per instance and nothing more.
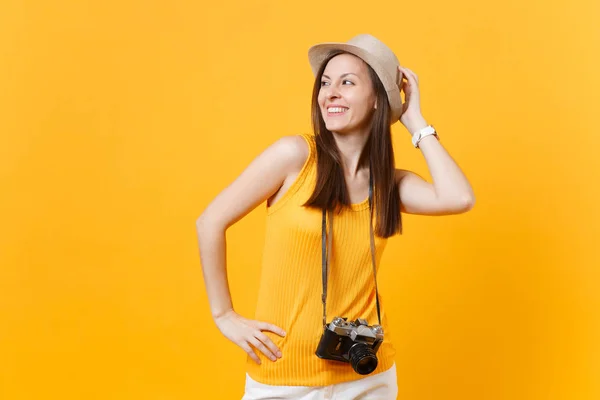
(346, 168)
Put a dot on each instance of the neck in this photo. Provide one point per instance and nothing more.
(351, 147)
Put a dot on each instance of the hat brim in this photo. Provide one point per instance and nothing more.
(318, 53)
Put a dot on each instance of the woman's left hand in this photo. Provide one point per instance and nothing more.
(411, 116)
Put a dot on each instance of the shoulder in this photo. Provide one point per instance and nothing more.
(295, 146)
(294, 149)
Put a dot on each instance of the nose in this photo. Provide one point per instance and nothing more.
(332, 91)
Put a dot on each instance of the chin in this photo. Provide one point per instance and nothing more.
(336, 127)
(340, 127)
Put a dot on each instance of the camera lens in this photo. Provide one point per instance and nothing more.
(362, 358)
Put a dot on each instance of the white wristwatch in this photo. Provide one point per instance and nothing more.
(421, 133)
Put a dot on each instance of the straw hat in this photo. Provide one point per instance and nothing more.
(375, 53)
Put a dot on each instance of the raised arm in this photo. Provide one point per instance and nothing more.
(450, 192)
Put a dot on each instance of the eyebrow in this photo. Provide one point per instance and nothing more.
(343, 75)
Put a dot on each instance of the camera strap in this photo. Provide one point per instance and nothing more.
(325, 255)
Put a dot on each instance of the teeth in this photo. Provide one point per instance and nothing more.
(336, 109)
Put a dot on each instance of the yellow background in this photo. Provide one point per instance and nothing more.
(121, 120)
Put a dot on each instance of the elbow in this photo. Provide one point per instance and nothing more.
(468, 203)
(205, 222)
(200, 220)
(459, 205)
(204, 230)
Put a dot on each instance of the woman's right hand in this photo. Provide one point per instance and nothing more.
(245, 332)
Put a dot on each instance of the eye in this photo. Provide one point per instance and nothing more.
(345, 80)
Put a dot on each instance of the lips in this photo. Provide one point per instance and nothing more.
(337, 114)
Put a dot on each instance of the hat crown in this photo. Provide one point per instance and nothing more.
(376, 47)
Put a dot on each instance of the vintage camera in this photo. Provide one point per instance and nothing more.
(355, 342)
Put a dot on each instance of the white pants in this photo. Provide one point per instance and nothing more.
(381, 386)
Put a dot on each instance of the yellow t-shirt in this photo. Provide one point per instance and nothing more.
(291, 285)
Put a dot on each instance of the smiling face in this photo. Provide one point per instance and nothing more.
(346, 83)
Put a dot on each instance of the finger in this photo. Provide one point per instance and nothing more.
(408, 71)
(269, 343)
(400, 77)
(260, 346)
(265, 326)
(249, 350)
(405, 87)
(410, 75)
(407, 91)
(412, 79)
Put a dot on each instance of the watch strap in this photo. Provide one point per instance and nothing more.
(421, 133)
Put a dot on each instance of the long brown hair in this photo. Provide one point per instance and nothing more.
(330, 190)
